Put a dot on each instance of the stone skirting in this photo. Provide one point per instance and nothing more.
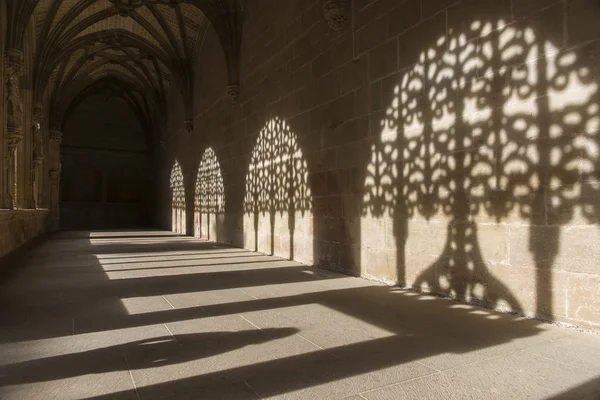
(19, 226)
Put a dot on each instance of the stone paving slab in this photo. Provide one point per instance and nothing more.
(151, 315)
(513, 376)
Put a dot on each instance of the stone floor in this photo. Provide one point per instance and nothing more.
(148, 315)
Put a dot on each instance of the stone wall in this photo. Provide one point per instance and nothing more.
(450, 146)
(16, 226)
(19, 226)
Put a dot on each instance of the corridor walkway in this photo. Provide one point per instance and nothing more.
(149, 315)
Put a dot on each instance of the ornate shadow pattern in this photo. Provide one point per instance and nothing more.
(481, 132)
(278, 198)
(177, 200)
(209, 201)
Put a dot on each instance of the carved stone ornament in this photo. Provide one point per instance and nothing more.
(38, 116)
(13, 68)
(37, 161)
(14, 138)
(189, 126)
(53, 175)
(55, 137)
(125, 7)
(337, 14)
(13, 62)
(234, 92)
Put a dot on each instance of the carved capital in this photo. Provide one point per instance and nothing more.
(14, 63)
(38, 116)
(53, 175)
(126, 7)
(189, 126)
(14, 138)
(234, 92)
(38, 111)
(337, 14)
(55, 137)
(37, 161)
(171, 3)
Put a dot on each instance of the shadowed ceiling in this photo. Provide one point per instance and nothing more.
(133, 49)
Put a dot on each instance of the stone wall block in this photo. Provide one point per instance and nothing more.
(403, 17)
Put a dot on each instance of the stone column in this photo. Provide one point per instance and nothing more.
(54, 177)
(13, 70)
(38, 153)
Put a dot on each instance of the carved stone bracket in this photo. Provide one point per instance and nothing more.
(37, 161)
(56, 137)
(14, 62)
(126, 7)
(53, 175)
(38, 115)
(189, 126)
(234, 92)
(337, 14)
(14, 138)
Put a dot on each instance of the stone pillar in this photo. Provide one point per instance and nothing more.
(13, 70)
(54, 177)
(38, 154)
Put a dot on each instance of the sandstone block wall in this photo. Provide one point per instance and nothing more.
(19, 226)
(450, 146)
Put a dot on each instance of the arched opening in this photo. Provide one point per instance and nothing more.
(278, 203)
(105, 166)
(177, 200)
(483, 154)
(209, 201)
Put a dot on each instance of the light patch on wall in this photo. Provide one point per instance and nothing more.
(177, 200)
(490, 131)
(278, 205)
(209, 202)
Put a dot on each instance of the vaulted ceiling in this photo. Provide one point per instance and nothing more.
(137, 48)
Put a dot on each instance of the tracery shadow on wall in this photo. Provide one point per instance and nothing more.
(278, 205)
(178, 222)
(209, 201)
(480, 134)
